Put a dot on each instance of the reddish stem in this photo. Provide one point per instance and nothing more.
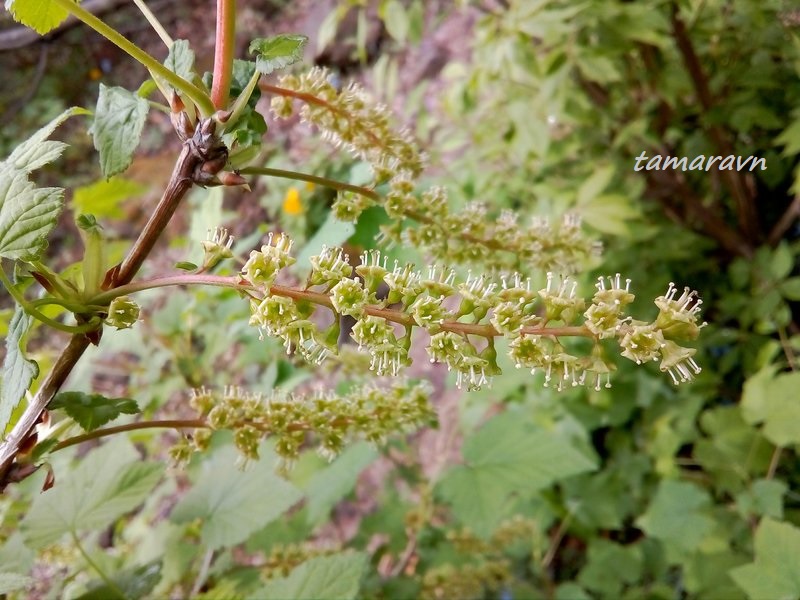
(223, 52)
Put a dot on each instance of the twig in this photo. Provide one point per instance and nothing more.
(179, 184)
(786, 221)
(202, 575)
(108, 581)
(745, 207)
(106, 431)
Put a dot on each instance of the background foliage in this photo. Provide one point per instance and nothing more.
(641, 490)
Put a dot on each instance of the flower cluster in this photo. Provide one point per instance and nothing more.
(348, 118)
(467, 581)
(368, 412)
(463, 319)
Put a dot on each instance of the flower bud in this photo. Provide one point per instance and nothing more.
(122, 313)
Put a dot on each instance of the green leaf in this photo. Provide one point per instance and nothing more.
(40, 15)
(180, 59)
(790, 289)
(331, 484)
(107, 483)
(507, 455)
(336, 577)
(610, 566)
(118, 123)
(609, 213)
(772, 402)
(137, 582)
(790, 137)
(395, 19)
(18, 371)
(775, 573)
(233, 503)
(596, 183)
(103, 198)
(676, 516)
(763, 499)
(36, 151)
(11, 582)
(185, 265)
(782, 261)
(28, 214)
(277, 52)
(91, 411)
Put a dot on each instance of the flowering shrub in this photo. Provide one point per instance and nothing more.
(643, 488)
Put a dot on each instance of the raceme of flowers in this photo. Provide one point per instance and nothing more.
(464, 318)
(367, 412)
(349, 119)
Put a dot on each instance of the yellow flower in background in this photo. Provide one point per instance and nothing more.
(291, 202)
(309, 187)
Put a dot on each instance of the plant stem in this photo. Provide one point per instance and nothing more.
(323, 181)
(223, 52)
(100, 433)
(154, 23)
(180, 183)
(202, 575)
(36, 314)
(198, 96)
(735, 182)
(109, 582)
(787, 218)
(320, 299)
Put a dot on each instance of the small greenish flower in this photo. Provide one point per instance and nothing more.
(202, 400)
(439, 281)
(201, 439)
(246, 439)
(477, 296)
(447, 347)
(560, 301)
(348, 206)
(217, 247)
(508, 318)
(678, 362)
(472, 371)
(329, 267)
(372, 331)
(388, 358)
(530, 351)
(272, 314)
(349, 298)
(404, 284)
(396, 204)
(641, 342)
(122, 313)
(677, 319)
(372, 270)
(614, 294)
(262, 267)
(428, 312)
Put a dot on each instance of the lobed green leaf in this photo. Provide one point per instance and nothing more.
(234, 503)
(109, 482)
(277, 52)
(91, 411)
(40, 15)
(336, 577)
(18, 370)
(118, 122)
